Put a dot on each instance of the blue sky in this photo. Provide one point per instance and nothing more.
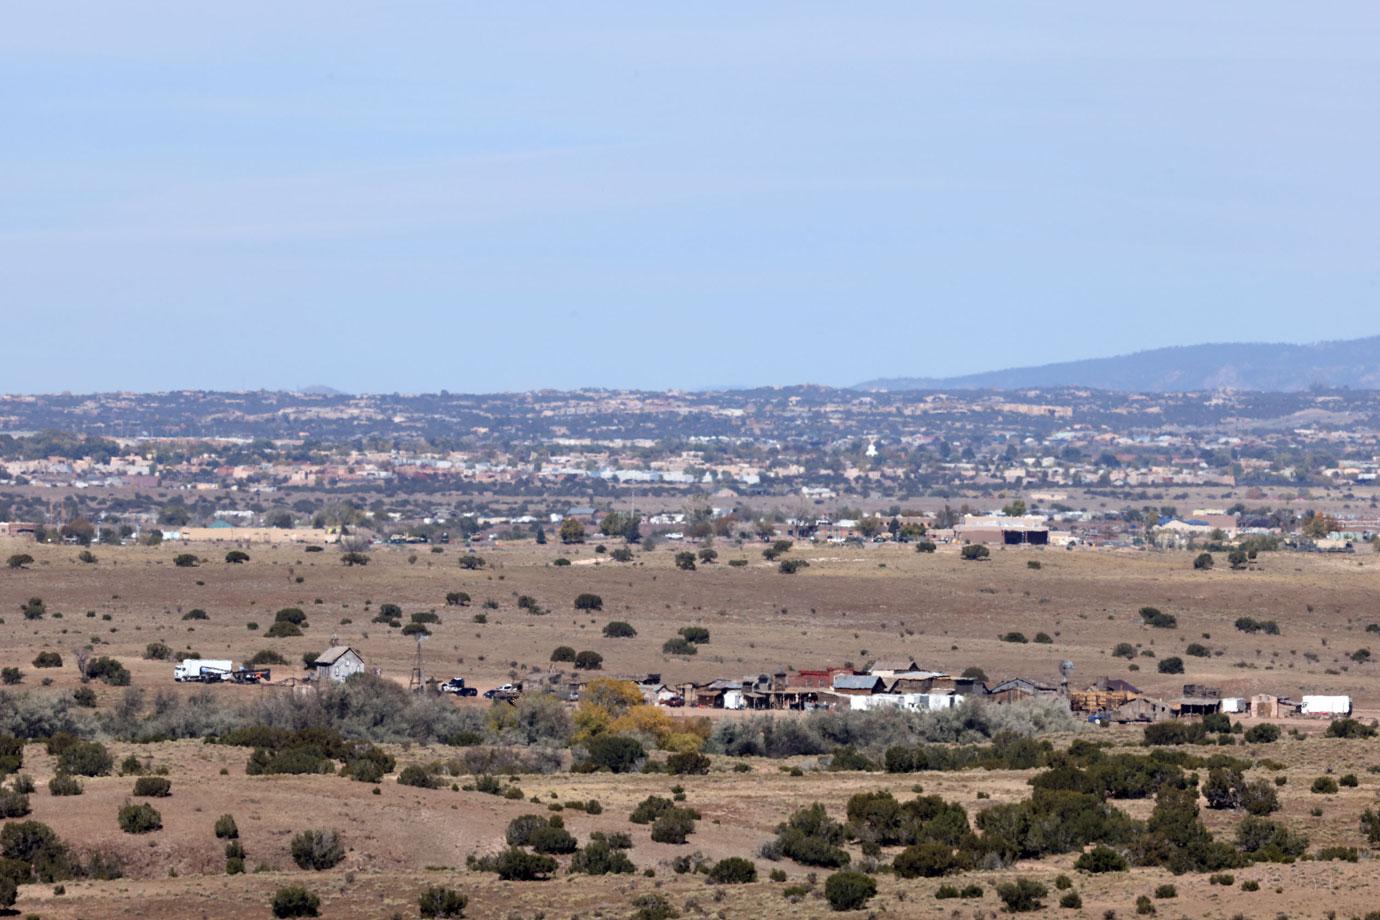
(415, 196)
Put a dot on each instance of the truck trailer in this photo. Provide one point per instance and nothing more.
(203, 670)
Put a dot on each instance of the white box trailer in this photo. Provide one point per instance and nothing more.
(1235, 704)
(196, 668)
(1330, 706)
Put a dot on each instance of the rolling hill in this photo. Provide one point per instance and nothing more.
(1352, 363)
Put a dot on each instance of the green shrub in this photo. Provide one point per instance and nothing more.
(153, 787)
(416, 775)
(674, 825)
(734, 870)
(612, 753)
(1324, 785)
(849, 890)
(812, 838)
(1338, 728)
(618, 629)
(687, 763)
(1153, 616)
(678, 645)
(109, 670)
(563, 653)
(1269, 840)
(139, 819)
(158, 651)
(63, 784)
(589, 661)
(552, 838)
(13, 804)
(85, 758)
(696, 634)
(295, 901)
(1164, 892)
(1171, 665)
(925, 860)
(600, 857)
(1264, 733)
(282, 630)
(1022, 895)
(317, 850)
(515, 865)
(1101, 859)
(649, 809)
(1258, 797)
(1071, 901)
(437, 901)
(226, 828)
(48, 660)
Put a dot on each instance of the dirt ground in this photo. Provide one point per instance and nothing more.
(849, 605)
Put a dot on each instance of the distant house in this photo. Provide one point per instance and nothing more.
(815, 678)
(1115, 685)
(1021, 688)
(858, 684)
(1141, 709)
(337, 663)
(890, 667)
(717, 694)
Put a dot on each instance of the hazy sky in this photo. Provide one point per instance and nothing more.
(416, 196)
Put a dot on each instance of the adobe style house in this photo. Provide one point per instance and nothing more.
(336, 664)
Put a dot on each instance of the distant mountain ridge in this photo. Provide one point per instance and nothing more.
(1351, 363)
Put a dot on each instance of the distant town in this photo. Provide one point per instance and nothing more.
(1059, 467)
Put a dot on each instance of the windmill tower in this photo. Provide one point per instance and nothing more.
(417, 682)
(1065, 669)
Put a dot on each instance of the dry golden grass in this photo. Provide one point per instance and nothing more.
(849, 605)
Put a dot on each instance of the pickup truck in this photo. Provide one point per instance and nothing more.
(505, 692)
(457, 686)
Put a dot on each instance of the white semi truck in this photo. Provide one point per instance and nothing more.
(203, 669)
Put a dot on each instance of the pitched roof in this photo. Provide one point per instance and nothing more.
(893, 664)
(1015, 683)
(333, 654)
(856, 681)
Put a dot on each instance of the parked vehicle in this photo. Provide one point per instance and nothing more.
(457, 686)
(505, 692)
(203, 670)
(251, 676)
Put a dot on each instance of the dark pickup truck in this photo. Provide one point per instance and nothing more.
(457, 686)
